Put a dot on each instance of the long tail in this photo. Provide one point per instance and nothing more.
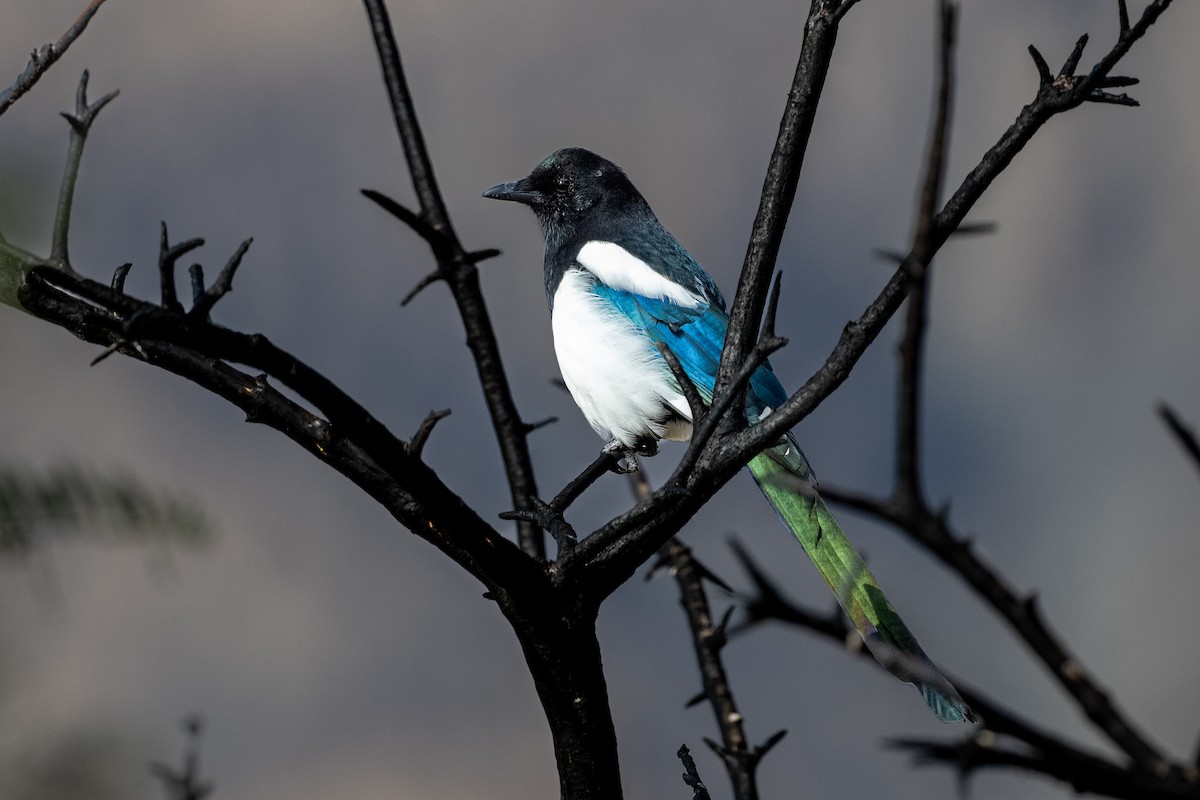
(784, 476)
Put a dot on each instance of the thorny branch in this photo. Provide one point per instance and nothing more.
(457, 267)
(708, 639)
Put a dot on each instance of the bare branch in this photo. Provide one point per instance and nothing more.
(81, 123)
(457, 267)
(1052, 98)
(740, 759)
(351, 441)
(779, 190)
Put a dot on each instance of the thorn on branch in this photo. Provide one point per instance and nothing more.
(894, 257)
(129, 340)
(206, 299)
(1072, 62)
(975, 229)
(1117, 81)
(476, 256)
(715, 579)
(413, 219)
(431, 278)
(766, 746)
(196, 273)
(551, 520)
(691, 777)
(108, 351)
(842, 8)
(1043, 69)
(119, 275)
(718, 633)
(422, 435)
(1100, 96)
(530, 427)
(85, 114)
(168, 254)
(1030, 604)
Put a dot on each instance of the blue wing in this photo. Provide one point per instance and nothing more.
(695, 335)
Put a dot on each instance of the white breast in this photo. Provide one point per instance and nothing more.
(616, 376)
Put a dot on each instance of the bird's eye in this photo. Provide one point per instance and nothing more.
(563, 182)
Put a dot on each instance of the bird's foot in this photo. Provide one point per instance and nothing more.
(627, 456)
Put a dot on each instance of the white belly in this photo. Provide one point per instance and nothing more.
(615, 374)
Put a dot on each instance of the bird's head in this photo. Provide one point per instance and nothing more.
(568, 186)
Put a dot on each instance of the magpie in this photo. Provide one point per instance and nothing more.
(620, 286)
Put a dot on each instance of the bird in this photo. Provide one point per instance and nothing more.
(620, 287)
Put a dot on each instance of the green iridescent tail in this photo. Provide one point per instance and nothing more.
(786, 479)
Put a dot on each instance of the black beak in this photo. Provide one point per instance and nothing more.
(517, 191)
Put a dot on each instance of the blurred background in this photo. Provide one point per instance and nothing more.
(333, 654)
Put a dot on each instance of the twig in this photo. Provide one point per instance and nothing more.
(601, 466)
(417, 444)
(81, 123)
(44, 57)
(691, 776)
(203, 304)
(779, 188)
(708, 639)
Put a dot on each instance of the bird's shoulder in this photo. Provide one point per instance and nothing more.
(636, 253)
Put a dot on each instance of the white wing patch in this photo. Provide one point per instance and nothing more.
(615, 375)
(620, 269)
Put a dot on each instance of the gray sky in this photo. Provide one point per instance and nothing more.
(332, 653)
